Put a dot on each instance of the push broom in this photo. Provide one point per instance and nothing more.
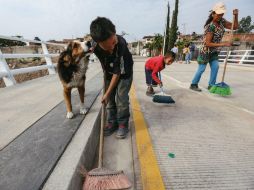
(162, 97)
(222, 88)
(102, 178)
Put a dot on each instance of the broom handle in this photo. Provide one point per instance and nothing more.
(161, 81)
(226, 59)
(102, 127)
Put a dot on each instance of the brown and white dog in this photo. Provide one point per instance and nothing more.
(72, 66)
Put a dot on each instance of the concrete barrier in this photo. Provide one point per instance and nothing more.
(82, 151)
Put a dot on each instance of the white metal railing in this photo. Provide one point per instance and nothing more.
(8, 74)
(238, 56)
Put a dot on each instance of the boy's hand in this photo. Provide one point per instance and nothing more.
(105, 99)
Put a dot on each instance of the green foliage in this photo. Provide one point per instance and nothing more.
(157, 42)
(236, 39)
(148, 46)
(181, 43)
(37, 39)
(167, 29)
(7, 43)
(245, 25)
(134, 44)
(174, 27)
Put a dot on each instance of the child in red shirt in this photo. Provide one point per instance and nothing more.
(155, 65)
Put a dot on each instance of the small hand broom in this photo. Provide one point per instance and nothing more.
(163, 97)
(101, 178)
(222, 88)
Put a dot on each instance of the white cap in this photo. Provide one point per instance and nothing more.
(219, 8)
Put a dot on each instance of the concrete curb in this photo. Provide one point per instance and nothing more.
(80, 152)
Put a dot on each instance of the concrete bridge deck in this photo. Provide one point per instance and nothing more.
(202, 142)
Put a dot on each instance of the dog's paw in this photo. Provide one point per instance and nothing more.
(69, 115)
(82, 109)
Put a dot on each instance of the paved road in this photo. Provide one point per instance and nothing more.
(212, 137)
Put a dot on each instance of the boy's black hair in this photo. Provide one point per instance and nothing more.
(101, 29)
(170, 54)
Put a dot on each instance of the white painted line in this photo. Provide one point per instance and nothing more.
(218, 98)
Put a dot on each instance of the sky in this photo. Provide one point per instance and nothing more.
(58, 19)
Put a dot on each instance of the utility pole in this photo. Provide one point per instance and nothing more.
(138, 47)
(184, 28)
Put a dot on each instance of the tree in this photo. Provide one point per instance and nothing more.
(245, 25)
(167, 29)
(157, 43)
(123, 33)
(149, 46)
(174, 27)
(37, 39)
(7, 43)
(194, 36)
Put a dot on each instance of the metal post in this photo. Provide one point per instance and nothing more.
(9, 80)
(243, 57)
(138, 48)
(51, 68)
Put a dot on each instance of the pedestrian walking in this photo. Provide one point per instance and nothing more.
(186, 52)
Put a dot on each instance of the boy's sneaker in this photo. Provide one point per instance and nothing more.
(109, 129)
(195, 87)
(150, 91)
(122, 132)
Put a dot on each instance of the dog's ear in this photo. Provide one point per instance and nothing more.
(69, 47)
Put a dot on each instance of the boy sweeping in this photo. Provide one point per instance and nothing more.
(117, 64)
(155, 65)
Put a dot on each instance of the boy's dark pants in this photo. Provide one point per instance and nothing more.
(149, 79)
(118, 106)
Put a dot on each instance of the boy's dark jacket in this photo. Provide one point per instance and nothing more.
(119, 62)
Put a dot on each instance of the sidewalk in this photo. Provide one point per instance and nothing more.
(25, 103)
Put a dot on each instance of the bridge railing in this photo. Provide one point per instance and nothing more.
(8, 74)
(238, 56)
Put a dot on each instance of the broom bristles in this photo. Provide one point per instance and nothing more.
(221, 89)
(103, 179)
(163, 99)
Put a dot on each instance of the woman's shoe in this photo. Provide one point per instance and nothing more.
(195, 87)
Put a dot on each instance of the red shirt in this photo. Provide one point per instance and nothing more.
(155, 64)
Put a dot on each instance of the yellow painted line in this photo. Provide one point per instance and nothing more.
(150, 172)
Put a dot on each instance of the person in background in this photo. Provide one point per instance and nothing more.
(186, 52)
(192, 50)
(175, 50)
